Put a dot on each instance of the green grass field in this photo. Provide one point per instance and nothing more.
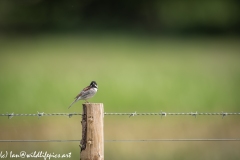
(43, 73)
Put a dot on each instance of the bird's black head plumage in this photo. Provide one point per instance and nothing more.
(93, 84)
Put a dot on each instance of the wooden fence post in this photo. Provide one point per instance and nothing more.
(92, 143)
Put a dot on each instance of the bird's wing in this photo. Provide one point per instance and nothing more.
(83, 93)
(84, 90)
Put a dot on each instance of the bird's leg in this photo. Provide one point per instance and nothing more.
(86, 101)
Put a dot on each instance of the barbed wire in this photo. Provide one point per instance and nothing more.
(195, 114)
(40, 114)
(130, 140)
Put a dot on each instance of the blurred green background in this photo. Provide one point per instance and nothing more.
(145, 56)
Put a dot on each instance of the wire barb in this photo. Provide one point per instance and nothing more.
(133, 114)
(194, 114)
(163, 114)
(224, 114)
(70, 115)
(40, 114)
(10, 116)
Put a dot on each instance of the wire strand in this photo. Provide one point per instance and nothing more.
(129, 140)
(40, 114)
(168, 140)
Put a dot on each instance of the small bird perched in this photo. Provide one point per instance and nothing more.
(86, 93)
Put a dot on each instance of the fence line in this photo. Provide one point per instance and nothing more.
(40, 114)
(130, 140)
(167, 140)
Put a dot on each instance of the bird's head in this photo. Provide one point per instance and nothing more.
(93, 84)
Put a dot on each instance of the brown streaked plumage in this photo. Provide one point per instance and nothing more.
(86, 93)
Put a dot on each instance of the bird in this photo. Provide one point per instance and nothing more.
(86, 93)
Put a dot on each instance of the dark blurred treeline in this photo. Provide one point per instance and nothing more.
(163, 16)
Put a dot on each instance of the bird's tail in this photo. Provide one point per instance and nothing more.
(72, 103)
